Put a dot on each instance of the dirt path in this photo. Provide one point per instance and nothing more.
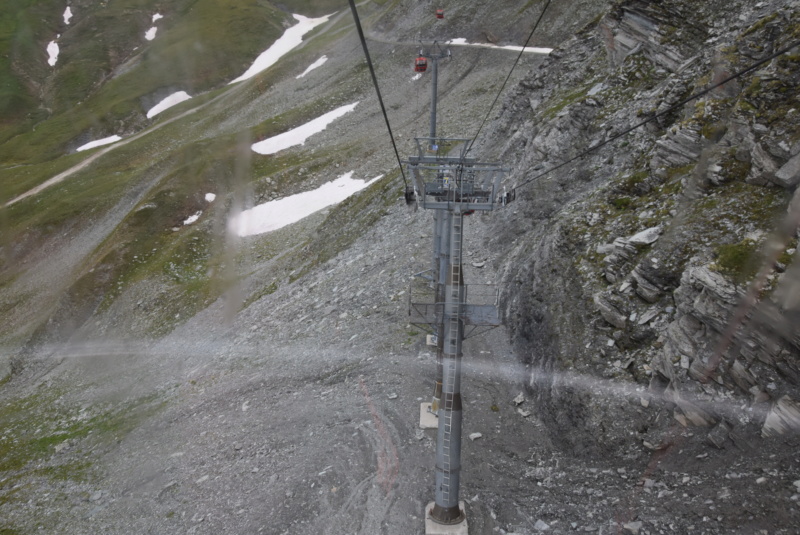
(88, 161)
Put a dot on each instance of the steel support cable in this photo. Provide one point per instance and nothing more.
(377, 89)
(500, 92)
(672, 108)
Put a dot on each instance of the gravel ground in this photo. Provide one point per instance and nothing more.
(281, 423)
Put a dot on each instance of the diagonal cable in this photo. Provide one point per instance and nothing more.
(672, 108)
(541, 15)
(377, 89)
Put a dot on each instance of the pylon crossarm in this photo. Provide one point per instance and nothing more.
(455, 186)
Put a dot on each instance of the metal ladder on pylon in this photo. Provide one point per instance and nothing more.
(454, 313)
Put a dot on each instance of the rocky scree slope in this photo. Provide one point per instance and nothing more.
(638, 263)
(501, 22)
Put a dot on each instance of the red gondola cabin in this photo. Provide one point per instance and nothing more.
(440, 13)
(420, 64)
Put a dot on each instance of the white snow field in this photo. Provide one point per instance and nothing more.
(170, 101)
(277, 214)
(192, 218)
(299, 135)
(321, 61)
(285, 43)
(98, 143)
(210, 197)
(529, 49)
(151, 33)
(52, 51)
(67, 15)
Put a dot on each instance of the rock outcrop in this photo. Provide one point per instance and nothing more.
(663, 259)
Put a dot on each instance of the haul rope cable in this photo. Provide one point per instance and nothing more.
(536, 25)
(662, 113)
(377, 89)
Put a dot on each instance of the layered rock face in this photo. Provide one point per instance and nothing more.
(661, 263)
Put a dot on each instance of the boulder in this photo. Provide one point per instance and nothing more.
(713, 283)
(718, 435)
(663, 372)
(648, 316)
(679, 337)
(742, 376)
(644, 288)
(623, 249)
(632, 527)
(679, 148)
(692, 415)
(645, 237)
(783, 418)
(699, 371)
(763, 169)
(610, 312)
(788, 176)
(786, 369)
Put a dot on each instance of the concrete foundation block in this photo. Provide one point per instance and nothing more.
(432, 528)
(427, 419)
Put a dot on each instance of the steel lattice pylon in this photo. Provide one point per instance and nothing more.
(452, 186)
(446, 181)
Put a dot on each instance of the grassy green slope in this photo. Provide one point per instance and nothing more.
(151, 242)
(106, 67)
(26, 26)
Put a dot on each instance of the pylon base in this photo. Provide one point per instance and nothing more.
(427, 419)
(434, 528)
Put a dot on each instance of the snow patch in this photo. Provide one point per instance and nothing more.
(98, 143)
(157, 16)
(192, 218)
(210, 197)
(285, 43)
(528, 49)
(52, 51)
(277, 214)
(170, 101)
(299, 135)
(67, 15)
(151, 33)
(313, 66)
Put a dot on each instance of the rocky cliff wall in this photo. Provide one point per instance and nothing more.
(651, 282)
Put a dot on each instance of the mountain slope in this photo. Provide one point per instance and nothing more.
(163, 373)
(634, 262)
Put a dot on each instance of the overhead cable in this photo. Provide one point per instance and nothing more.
(500, 92)
(377, 89)
(672, 108)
